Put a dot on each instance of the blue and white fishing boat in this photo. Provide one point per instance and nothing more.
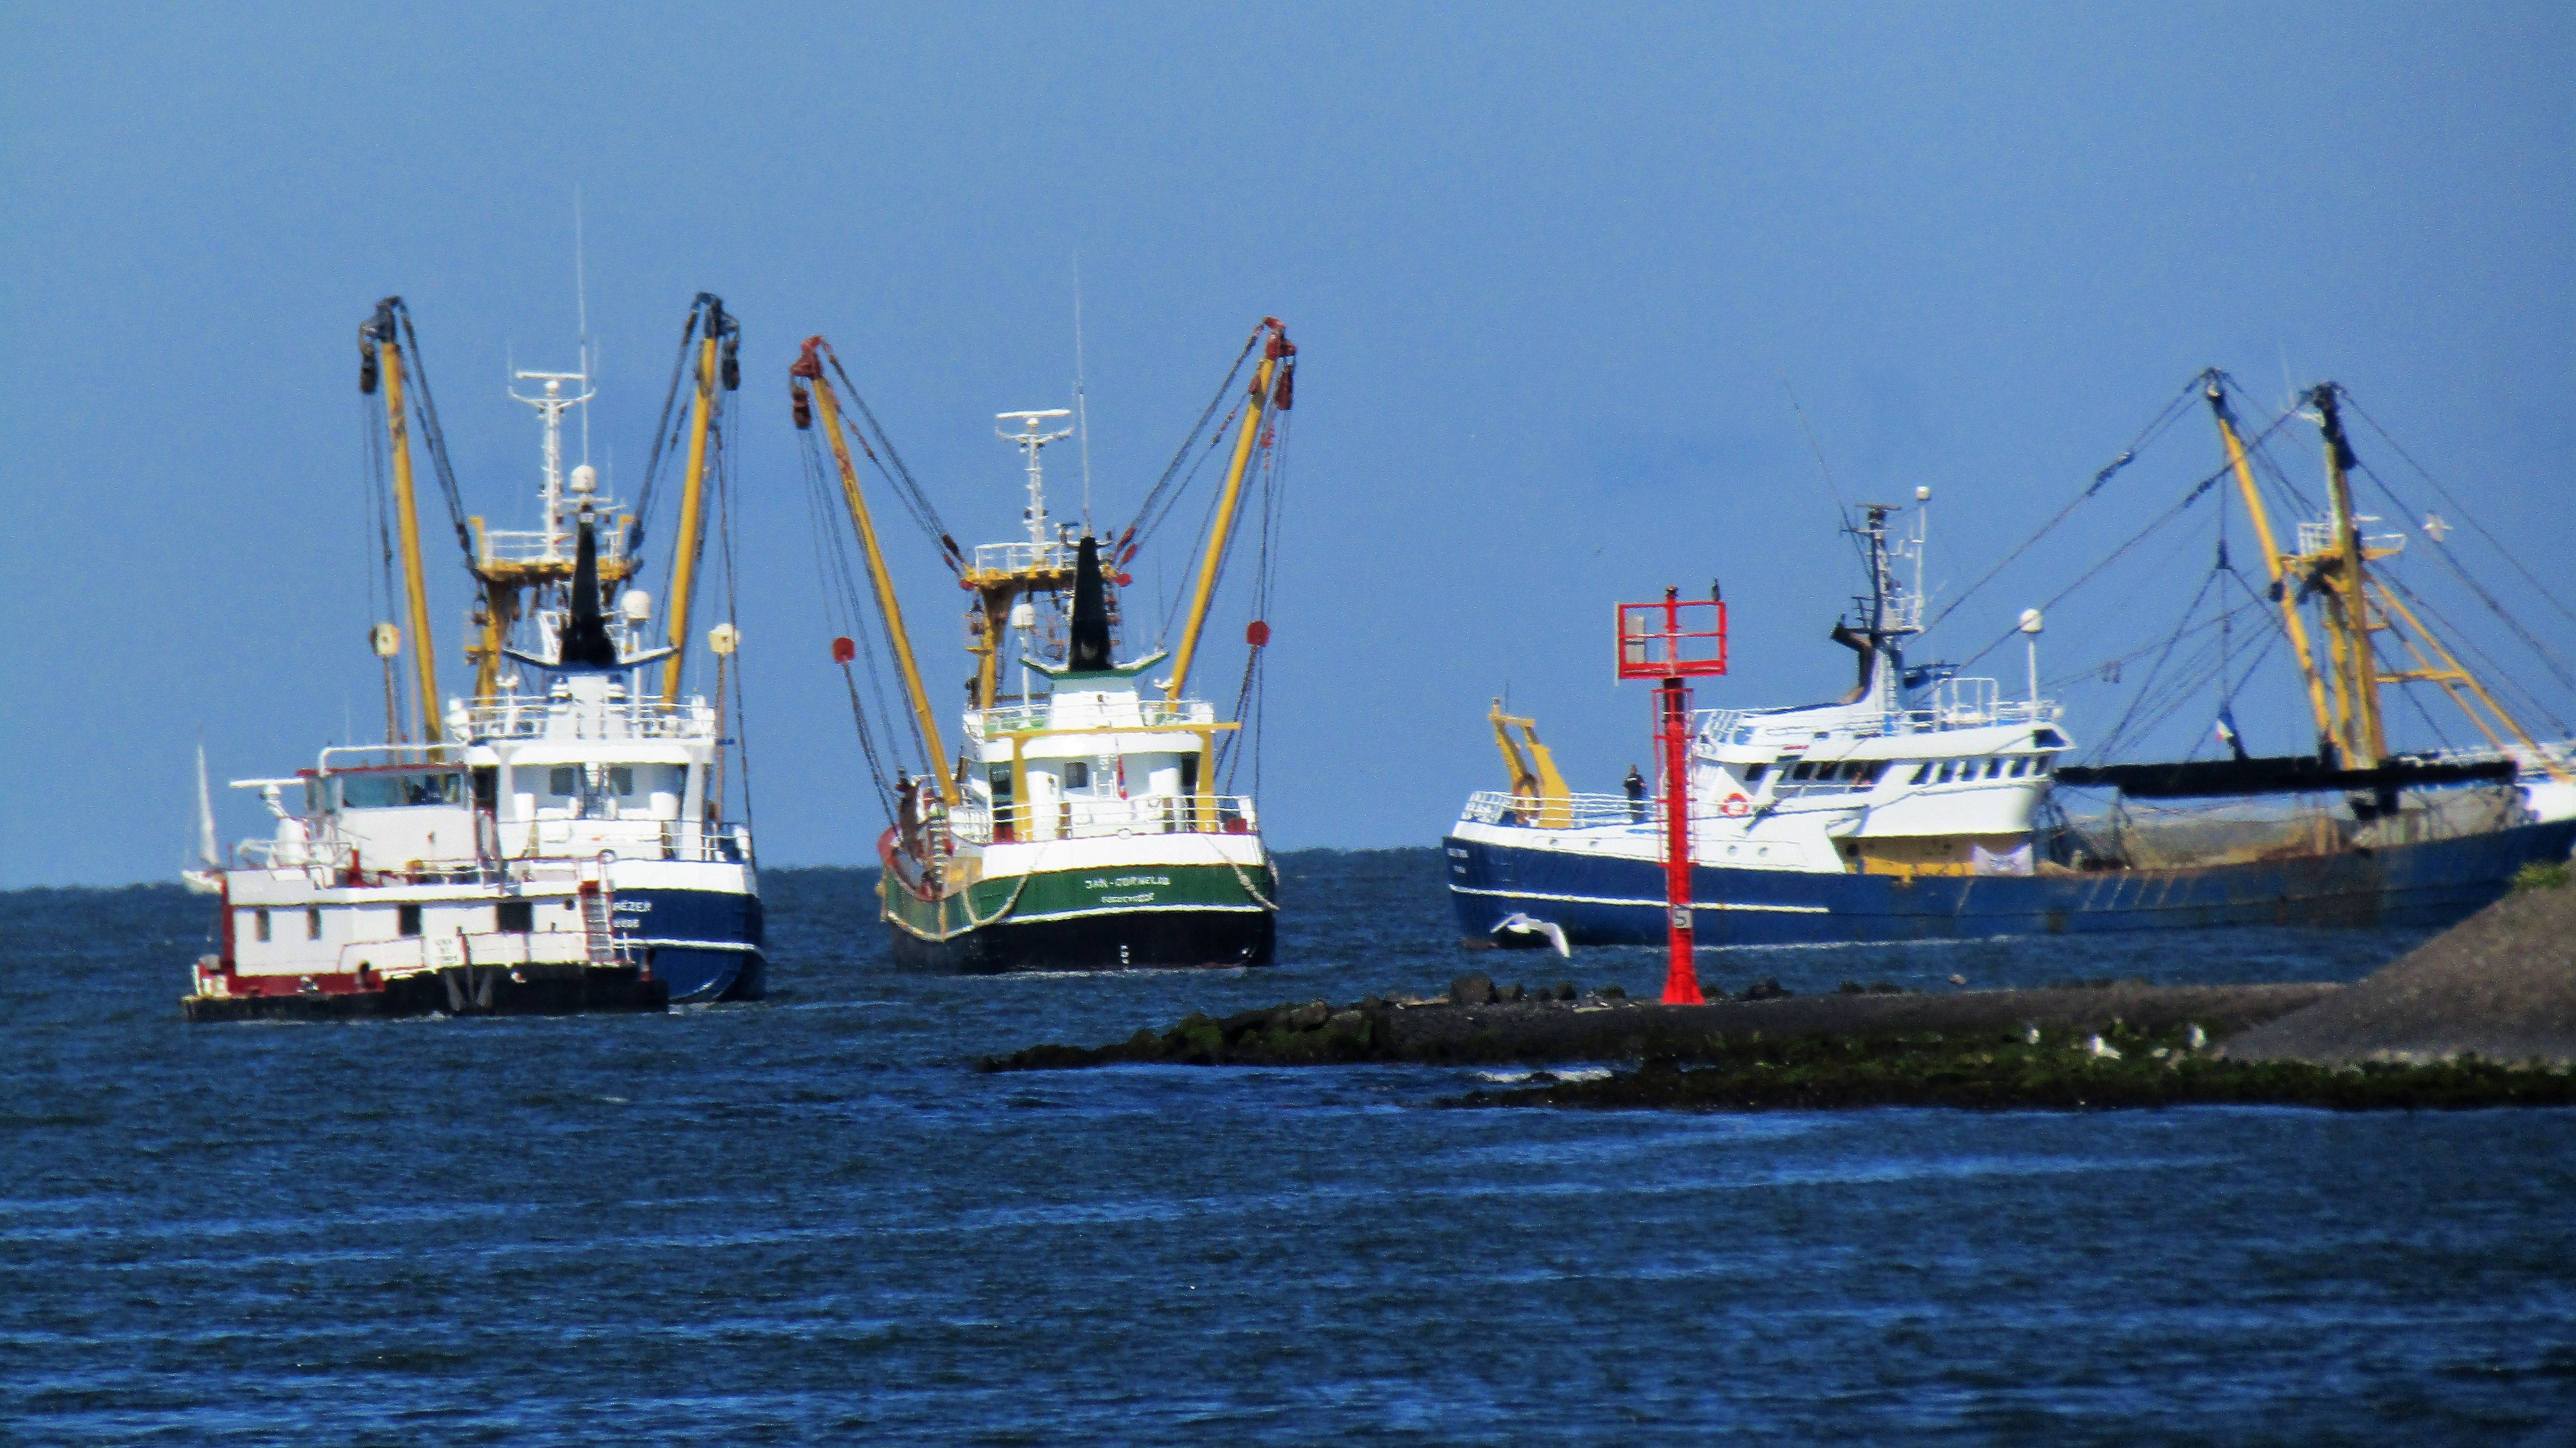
(559, 840)
(1924, 806)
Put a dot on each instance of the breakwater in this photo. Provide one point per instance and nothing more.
(1477, 1024)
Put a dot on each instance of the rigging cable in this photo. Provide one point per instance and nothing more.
(2460, 508)
(2549, 657)
(424, 409)
(1252, 698)
(741, 717)
(900, 479)
(837, 572)
(2110, 740)
(665, 432)
(2496, 676)
(2127, 455)
(1149, 514)
(379, 514)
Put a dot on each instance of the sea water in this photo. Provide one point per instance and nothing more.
(809, 1221)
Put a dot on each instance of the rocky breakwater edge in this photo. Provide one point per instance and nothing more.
(2099, 1046)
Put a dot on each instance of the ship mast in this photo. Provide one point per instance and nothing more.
(808, 370)
(2342, 576)
(2272, 557)
(1221, 531)
(379, 334)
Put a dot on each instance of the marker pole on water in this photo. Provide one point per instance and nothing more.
(1670, 642)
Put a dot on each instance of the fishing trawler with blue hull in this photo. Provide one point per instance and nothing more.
(1083, 824)
(558, 841)
(1923, 806)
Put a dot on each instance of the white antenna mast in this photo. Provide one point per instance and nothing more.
(1028, 440)
(581, 312)
(1081, 404)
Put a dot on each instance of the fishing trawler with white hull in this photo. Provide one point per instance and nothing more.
(1924, 805)
(558, 841)
(1081, 825)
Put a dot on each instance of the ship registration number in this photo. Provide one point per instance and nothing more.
(1126, 882)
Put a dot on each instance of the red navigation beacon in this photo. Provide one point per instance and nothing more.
(1668, 642)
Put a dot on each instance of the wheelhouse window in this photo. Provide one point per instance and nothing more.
(397, 788)
(1922, 772)
(1753, 773)
(407, 920)
(514, 917)
(1994, 769)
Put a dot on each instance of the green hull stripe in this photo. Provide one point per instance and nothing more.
(1069, 894)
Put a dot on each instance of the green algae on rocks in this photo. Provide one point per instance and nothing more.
(2113, 1069)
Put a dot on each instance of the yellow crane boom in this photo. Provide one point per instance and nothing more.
(718, 337)
(1221, 531)
(807, 372)
(379, 335)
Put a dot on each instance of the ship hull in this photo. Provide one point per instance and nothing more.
(293, 949)
(487, 990)
(1610, 901)
(704, 944)
(1109, 917)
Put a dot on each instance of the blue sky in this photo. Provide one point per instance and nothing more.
(1548, 268)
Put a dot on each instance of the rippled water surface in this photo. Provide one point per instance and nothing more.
(806, 1221)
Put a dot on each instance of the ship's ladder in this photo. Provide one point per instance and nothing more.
(599, 916)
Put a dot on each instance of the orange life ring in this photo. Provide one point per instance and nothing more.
(1736, 807)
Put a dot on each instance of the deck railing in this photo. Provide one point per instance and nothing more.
(1575, 812)
(1954, 704)
(677, 840)
(2318, 536)
(622, 719)
(1021, 557)
(1113, 714)
(1091, 819)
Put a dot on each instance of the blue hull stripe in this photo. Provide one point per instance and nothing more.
(1620, 902)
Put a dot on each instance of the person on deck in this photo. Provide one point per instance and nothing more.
(1635, 784)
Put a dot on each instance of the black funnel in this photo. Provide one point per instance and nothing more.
(585, 643)
(1090, 640)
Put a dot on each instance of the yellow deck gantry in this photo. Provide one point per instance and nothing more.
(2354, 606)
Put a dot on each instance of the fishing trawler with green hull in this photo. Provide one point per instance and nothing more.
(1086, 821)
